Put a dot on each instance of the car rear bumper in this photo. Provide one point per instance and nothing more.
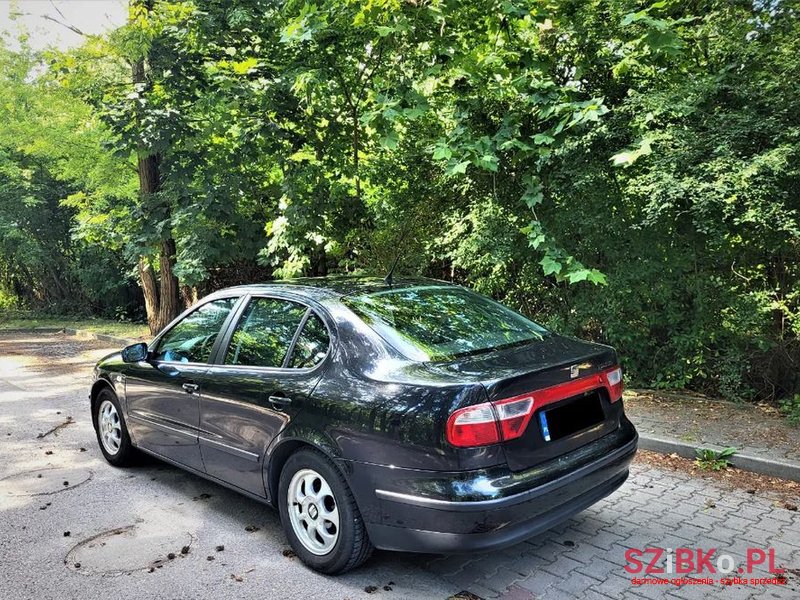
(490, 509)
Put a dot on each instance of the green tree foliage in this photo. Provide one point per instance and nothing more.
(624, 171)
(700, 239)
(51, 158)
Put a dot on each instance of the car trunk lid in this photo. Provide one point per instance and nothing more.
(571, 406)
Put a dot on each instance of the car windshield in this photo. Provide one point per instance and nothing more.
(432, 323)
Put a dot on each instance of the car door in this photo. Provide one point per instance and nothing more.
(162, 393)
(264, 371)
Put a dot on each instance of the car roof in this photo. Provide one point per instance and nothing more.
(331, 287)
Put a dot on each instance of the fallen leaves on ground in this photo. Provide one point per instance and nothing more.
(696, 418)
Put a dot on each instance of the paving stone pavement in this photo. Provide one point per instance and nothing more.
(585, 556)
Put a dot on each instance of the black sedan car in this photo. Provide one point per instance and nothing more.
(413, 416)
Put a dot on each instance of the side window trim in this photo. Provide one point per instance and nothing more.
(293, 343)
(228, 327)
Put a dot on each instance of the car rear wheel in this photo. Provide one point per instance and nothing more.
(112, 434)
(319, 514)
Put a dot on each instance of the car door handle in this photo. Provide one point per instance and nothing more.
(279, 402)
(190, 388)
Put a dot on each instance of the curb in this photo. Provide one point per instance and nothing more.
(82, 333)
(97, 336)
(764, 466)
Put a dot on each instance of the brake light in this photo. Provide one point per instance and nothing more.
(503, 420)
(489, 422)
(473, 426)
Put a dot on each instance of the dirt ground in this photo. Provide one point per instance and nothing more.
(755, 429)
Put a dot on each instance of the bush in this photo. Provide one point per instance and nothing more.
(7, 301)
(791, 409)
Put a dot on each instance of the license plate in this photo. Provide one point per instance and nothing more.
(571, 416)
(543, 423)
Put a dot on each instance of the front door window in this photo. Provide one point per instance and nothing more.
(191, 340)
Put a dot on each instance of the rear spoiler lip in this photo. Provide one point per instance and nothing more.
(561, 391)
(542, 377)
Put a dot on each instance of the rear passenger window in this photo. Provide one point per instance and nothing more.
(264, 333)
(312, 344)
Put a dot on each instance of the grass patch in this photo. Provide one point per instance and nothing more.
(18, 320)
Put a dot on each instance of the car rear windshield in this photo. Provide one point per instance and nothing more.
(431, 323)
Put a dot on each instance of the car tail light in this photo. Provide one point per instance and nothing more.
(513, 415)
(473, 426)
(503, 420)
(489, 422)
(613, 381)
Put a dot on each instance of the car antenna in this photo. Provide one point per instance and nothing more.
(388, 279)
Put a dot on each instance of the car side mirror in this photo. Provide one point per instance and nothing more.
(134, 353)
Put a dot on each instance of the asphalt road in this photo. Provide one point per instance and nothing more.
(71, 526)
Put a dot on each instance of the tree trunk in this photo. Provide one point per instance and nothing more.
(161, 304)
(61, 293)
(188, 296)
(168, 307)
(148, 282)
(149, 175)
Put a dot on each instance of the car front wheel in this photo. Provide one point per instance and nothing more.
(112, 434)
(319, 514)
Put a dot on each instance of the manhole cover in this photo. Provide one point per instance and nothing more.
(42, 482)
(127, 549)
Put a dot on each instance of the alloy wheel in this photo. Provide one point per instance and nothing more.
(110, 427)
(313, 512)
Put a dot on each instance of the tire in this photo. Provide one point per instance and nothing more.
(120, 453)
(313, 493)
